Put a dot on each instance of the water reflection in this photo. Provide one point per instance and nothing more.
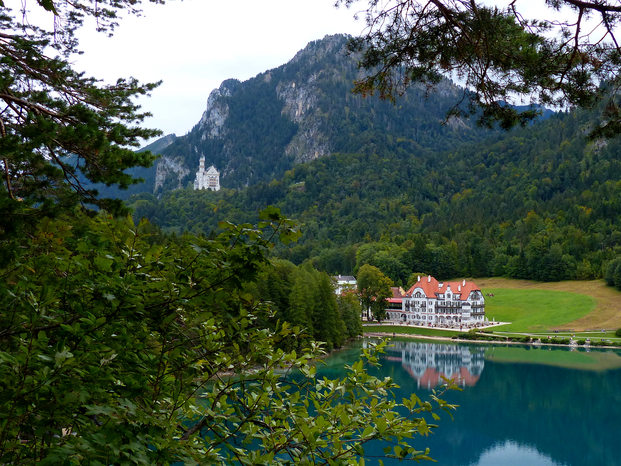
(513, 454)
(530, 406)
(428, 363)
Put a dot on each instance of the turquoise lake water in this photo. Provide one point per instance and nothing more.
(519, 405)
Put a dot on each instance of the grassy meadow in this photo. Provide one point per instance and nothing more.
(572, 306)
(536, 310)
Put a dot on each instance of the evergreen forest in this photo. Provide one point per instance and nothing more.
(540, 202)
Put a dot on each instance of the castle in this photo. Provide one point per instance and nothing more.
(207, 179)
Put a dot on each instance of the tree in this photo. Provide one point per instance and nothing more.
(118, 345)
(501, 56)
(121, 345)
(350, 310)
(374, 289)
(59, 127)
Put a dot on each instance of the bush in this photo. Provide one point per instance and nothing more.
(618, 332)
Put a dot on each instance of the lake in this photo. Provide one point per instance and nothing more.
(519, 405)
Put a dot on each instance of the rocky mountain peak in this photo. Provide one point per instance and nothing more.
(257, 129)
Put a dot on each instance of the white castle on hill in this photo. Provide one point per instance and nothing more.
(207, 179)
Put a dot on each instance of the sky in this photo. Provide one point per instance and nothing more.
(194, 45)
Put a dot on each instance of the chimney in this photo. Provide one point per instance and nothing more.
(418, 279)
(464, 282)
(428, 278)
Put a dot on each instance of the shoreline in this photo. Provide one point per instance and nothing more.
(463, 340)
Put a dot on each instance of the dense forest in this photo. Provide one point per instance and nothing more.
(541, 202)
(399, 186)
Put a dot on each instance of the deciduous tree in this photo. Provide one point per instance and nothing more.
(374, 289)
(118, 345)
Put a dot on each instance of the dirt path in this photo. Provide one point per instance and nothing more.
(607, 312)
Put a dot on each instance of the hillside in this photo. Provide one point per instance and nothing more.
(147, 174)
(540, 202)
(256, 130)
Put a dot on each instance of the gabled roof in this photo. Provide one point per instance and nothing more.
(430, 287)
(397, 294)
(344, 278)
(428, 284)
(212, 171)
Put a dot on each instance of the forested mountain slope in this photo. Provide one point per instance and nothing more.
(147, 174)
(539, 202)
(254, 131)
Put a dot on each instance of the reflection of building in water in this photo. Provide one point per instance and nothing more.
(429, 362)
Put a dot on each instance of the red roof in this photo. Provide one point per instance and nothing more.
(430, 287)
(397, 294)
(432, 377)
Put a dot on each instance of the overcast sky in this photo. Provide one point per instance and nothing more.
(194, 45)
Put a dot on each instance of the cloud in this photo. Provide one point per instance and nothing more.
(196, 44)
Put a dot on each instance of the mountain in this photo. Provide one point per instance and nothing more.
(396, 186)
(256, 130)
(147, 174)
(541, 202)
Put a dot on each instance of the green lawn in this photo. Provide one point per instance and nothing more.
(535, 310)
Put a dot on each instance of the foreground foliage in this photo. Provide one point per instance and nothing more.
(121, 345)
(59, 128)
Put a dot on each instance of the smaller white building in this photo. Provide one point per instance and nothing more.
(207, 179)
(344, 283)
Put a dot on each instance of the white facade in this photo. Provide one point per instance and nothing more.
(207, 179)
(344, 283)
(435, 304)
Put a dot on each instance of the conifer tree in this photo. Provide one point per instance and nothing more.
(59, 127)
(500, 54)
